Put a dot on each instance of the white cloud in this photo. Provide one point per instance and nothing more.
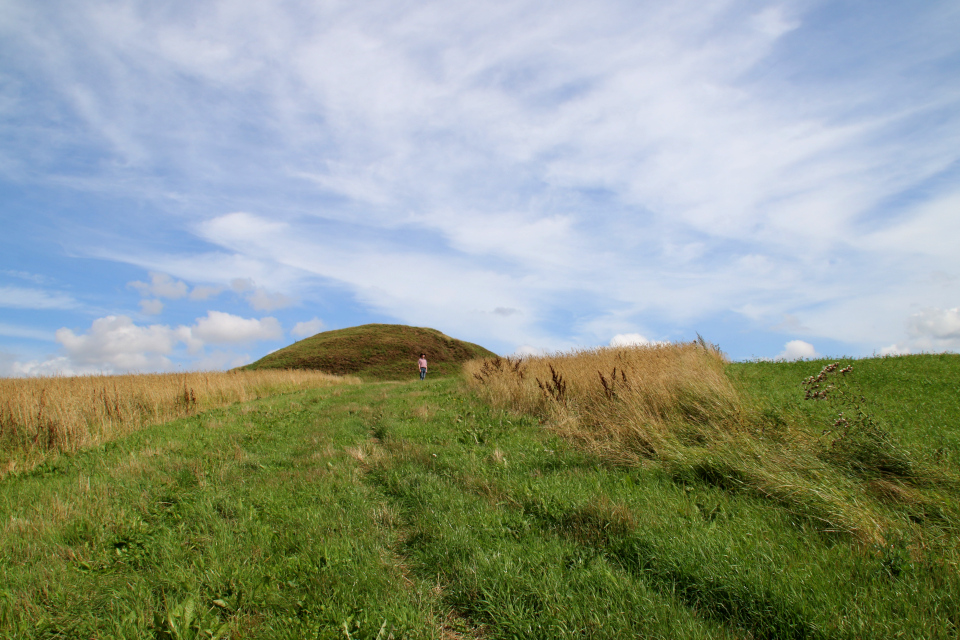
(628, 340)
(204, 292)
(935, 329)
(525, 351)
(307, 328)
(161, 285)
(790, 324)
(895, 350)
(225, 328)
(21, 298)
(151, 307)
(259, 298)
(56, 366)
(940, 324)
(797, 350)
(241, 285)
(263, 300)
(774, 22)
(116, 343)
(26, 275)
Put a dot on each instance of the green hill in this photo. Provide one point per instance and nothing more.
(375, 352)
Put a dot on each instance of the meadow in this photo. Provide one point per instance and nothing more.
(678, 496)
(43, 417)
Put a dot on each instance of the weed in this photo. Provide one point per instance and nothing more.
(855, 438)
(188, 620)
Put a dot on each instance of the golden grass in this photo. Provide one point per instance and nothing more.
(633, 403)
(673, 406)
(53, 414)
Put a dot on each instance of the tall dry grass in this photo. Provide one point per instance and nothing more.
(53, 414)
(673, 405)
(628, 403)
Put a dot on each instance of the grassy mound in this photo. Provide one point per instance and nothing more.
(375, 352)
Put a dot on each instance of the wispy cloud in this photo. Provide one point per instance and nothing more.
(162, 286)
(307, 328)
(516, 173)
(22, 298)
(35, 278)
(151, 307)
(30, 333)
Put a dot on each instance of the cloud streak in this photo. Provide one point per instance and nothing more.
(22, 298)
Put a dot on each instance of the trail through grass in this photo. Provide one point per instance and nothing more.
(415, 510)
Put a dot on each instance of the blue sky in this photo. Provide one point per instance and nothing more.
(194, 185)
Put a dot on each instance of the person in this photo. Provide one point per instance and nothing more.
(422, 363)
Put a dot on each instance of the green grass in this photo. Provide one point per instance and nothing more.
(916, 398)
(254, 517)
(417, 511)
(375, 352)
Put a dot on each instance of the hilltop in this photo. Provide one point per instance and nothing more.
(375, 351)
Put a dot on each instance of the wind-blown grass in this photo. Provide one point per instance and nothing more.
(675, 406)
(43, 416)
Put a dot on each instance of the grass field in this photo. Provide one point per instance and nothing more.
(42, 417)
(422, 510)
(916, 397)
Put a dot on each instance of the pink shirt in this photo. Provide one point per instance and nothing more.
(422, 363)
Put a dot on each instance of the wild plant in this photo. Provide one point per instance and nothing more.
(554, 388)
(855, 439)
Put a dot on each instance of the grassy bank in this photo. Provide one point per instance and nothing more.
(917, 398)
(419, 510)
(812, 444)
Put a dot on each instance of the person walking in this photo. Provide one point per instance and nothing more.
(422, 363)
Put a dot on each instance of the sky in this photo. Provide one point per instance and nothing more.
(193, 185)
